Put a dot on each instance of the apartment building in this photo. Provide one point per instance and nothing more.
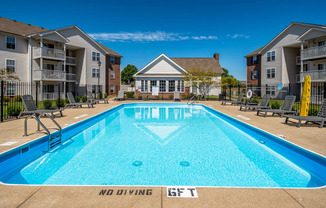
(297, 51)
(60, 60)
(168, 73)
(254, 72)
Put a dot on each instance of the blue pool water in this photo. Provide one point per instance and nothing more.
(167, 144)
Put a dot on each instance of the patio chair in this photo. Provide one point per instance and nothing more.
(121, 95)
(234, 102)
(91, 98)
(31, 108)
(262, 105)
(73, 103)
(176, 96)
(286, 108)
(321, 116)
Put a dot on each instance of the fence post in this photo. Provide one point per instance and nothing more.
(36, 94)
(324, 90)
(2, 98)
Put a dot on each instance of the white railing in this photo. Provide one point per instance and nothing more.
(52, 95)
(314, 52)
(70, 77)
(70, 60)
(316, 76)
(55, 75)
(50, 53)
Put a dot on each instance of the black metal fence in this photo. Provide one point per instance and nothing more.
(278, 93)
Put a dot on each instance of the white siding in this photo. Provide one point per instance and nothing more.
(162, 66)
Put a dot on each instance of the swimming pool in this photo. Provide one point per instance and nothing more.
(164, 144)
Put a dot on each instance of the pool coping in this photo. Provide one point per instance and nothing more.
(156, 186)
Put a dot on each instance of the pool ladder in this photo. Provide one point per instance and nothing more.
(52, 141)
(191, 101)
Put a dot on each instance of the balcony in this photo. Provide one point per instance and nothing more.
(314, 53)
(71, 61)
(70, 77)
(316, 76)
(49, 75)
(49, 53)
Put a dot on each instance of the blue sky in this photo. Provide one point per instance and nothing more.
(142, 30)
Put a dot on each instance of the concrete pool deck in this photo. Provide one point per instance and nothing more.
(310, 137)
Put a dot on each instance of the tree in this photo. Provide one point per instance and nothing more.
(127, 74)
(6, 75)
(229, 80)
(203, 80)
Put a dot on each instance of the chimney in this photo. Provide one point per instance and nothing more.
(217, 56)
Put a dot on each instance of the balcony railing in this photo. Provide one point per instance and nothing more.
(49, 53)
(70, 77)
(316, 76)
(50, 75)
(70, 61)
(51, 95)
(314, 52)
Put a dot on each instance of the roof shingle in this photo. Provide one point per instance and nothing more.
(207, 64)
(18, 28)
(110, 51)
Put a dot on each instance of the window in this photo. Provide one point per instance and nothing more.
(321, 43)
(144, 85)
(152, 83)
(48, 66)
(270, 90)
(254, 60)
(271, 56)
(321, 66)
(111, 59)
(10, 88)
(194, 89)
(48, 45)
(254, 75)
(11, 65)
(171, 85)
(112, 74)
(181, 87)
(111, 88)
(95, 73)
(94, 88)
(162, 85)
(95, 56)
(48, 88)
(10, 42)
(271, 73)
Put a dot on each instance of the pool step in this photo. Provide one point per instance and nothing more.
(55, 141)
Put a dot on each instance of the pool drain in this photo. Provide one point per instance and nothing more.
(137, 163)
(184, 163)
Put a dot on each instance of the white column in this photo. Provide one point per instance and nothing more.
(176, 85)
(64, 69)
(301, 67)
(167, 86)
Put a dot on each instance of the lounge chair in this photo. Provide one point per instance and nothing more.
(121, 95)
(321, 116)
(234, 102)
(286, 108)
(262, 105)
(73, 103)
(176, 96)
(31, 108)
(155, 91)
(91, 98)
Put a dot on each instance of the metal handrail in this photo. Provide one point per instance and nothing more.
(39, 122)
(190, 100)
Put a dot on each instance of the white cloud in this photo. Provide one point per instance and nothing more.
(238, 36)
(147, 37)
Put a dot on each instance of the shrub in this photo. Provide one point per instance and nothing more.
(60, 103)
(313, 111)
(130, 94)
(275, 105)
(83, 98)
(170, 97)
(13, 111)
(47, 104)
(77, 99)
(255, 100)
(17, 98)
(6, 99)
(66, 100)
(139, 97)
(100, 96)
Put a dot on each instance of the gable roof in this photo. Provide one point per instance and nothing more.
(311, 30)
(206, 64)
(19, 28)
(110, 51)
(160, 56)
(258, 51)
(48, 33)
